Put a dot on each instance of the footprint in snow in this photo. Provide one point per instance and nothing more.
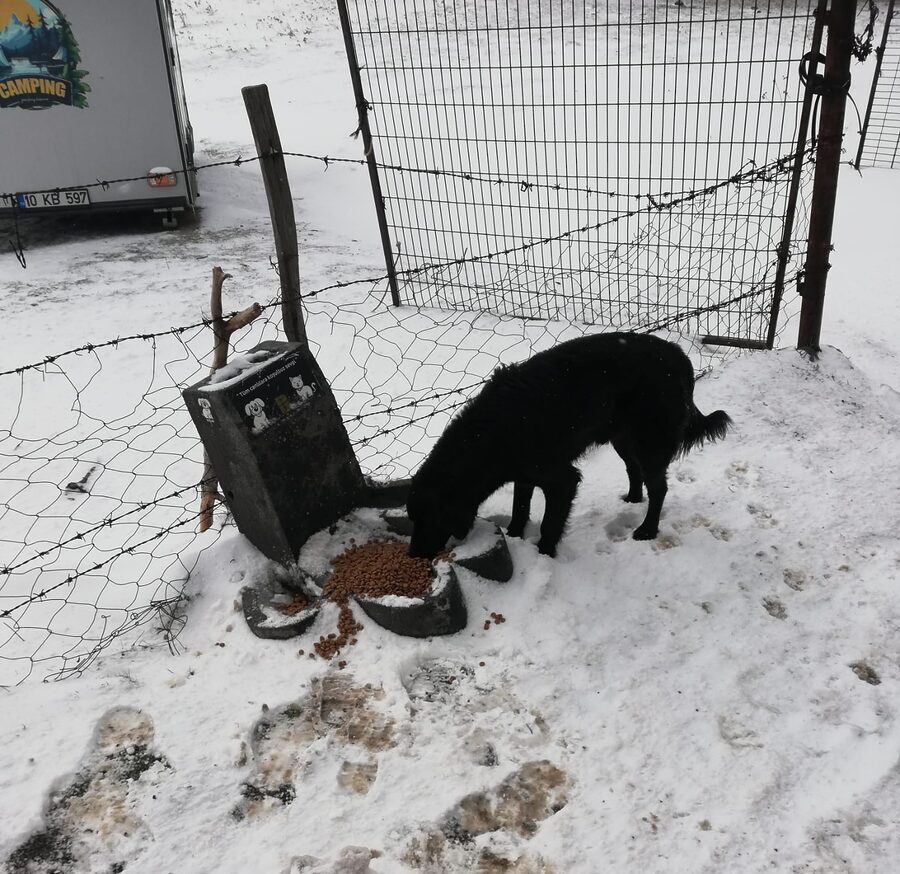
(335, 707)
(90, 822)
(488, 719)
(488, 831)
(761, 516)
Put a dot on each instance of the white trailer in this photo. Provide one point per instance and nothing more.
(92, 108)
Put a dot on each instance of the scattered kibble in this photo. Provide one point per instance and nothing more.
(296, 605)
(375, 569)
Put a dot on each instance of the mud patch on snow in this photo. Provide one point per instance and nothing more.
(357, 777)
(335, 708)
(484, 832)
(90, 824)
(866, 673)
(519, 804)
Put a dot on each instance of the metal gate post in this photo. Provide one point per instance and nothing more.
(362, 108)
(828, 160)
(784, 247)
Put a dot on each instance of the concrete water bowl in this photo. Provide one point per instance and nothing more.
(442, 610)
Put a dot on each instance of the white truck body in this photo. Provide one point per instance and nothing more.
(92, 109)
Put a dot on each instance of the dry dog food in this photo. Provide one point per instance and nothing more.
(327, 646)
(498, 618)
(297, 604)
(376, 569)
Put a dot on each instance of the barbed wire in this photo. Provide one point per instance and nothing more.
(41, 595)
(522, 183)
(658, 203)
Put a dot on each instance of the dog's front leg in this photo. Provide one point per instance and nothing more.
(559, 493)
(521, 512)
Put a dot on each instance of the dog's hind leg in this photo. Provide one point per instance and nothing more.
(655, 477)
(521, 512)
(635, 483)
(559, 493)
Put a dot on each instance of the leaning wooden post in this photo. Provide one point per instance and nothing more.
(828, 162)
(281, 206)
(222, 331)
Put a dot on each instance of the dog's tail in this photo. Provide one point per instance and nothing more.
(701, 428)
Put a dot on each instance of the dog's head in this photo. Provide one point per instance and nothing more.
(255, 407)
(437, 515)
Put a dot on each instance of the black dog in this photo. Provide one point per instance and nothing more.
(532, 420)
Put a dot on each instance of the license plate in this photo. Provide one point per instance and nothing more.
(48, 199)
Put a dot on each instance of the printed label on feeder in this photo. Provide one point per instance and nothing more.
(277, 393)
(206, 410)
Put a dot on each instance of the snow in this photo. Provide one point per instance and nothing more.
(721, 699)
(240, 367)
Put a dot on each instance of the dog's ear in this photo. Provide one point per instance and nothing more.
(249, 409)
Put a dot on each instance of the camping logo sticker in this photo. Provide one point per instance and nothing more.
(39, 57)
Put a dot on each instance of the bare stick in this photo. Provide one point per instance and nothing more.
(222, 331)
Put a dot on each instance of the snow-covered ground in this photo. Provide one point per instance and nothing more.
(719, 700)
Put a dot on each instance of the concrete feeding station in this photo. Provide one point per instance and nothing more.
(275, 437)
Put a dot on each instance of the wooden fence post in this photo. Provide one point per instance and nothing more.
(828, 161)
(281, 206)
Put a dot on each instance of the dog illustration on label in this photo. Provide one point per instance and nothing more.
(206, 409)
(257, 410)
(304, 392)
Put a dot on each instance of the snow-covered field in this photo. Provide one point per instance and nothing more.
(719, 700)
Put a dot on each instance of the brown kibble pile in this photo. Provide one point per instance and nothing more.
(376, 569)
(382, 567)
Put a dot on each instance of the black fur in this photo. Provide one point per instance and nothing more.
(532, 420)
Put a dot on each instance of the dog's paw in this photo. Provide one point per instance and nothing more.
(642, 533)
(545, 549)
(515, 531)
(632, 498)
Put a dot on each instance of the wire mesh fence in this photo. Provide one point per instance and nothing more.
(99, 461)
(537, 240)
(605, 105)
(880, 138)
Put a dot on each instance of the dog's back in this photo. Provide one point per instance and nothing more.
(583, 392)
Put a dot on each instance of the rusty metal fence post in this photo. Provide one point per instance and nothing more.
(833, 87)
